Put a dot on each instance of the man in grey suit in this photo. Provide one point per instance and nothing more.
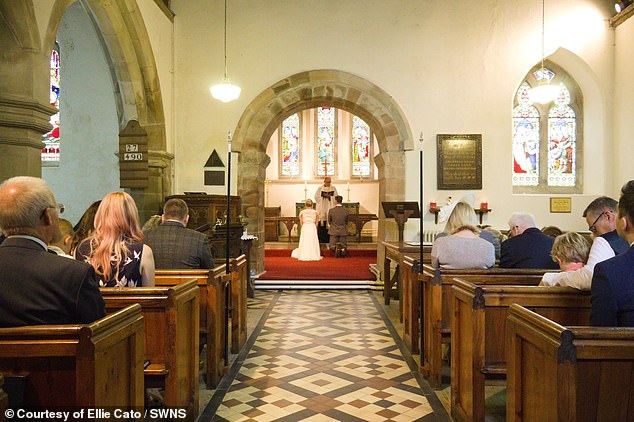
(36, 285)
(174, 245)
(338, 221)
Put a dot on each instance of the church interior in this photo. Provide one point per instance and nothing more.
(421, 103)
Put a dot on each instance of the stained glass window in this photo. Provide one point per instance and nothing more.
(50, 151)
(562, 141)
(546, 145)
(326, 141)
(525, 140)
(289, 149)
(360, 147)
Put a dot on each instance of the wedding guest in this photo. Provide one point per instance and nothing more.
(552, 231)
(527, 247)
(570, 251)
(85, 225)
(613, 279)
(174, 246)
(151, 223)
(115, 249)
(63, 240)
(462, 248)
(600, 215)
(36, 286)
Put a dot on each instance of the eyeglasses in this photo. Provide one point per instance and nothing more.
(58, 207)
(593, 227)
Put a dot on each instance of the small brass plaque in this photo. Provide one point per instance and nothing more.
(561, 205)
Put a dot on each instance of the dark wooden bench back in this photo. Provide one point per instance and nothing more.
(436, 297)
(171, 337)
(567, 373)
(78, 365)
(478, 329)
(239, 283)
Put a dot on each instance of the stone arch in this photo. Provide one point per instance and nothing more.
(308, 90)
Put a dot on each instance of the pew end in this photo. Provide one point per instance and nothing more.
(558, 372)
(171, 338)
(79, 365)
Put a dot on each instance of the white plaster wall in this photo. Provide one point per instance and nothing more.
(160, 31)
(452, 66)
(89, 127)
(624, 104)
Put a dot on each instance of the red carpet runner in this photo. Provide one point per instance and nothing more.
(279, 265)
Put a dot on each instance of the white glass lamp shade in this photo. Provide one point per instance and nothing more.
(543, 93)
(225, 91)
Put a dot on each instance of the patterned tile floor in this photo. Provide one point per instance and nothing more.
(323, 356)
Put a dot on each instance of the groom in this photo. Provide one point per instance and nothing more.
(338, 220)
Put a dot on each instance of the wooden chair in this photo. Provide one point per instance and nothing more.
(92, 365)
(433, 295)
(564, 373)
(478, 327)
(171, 338)
(213, 285)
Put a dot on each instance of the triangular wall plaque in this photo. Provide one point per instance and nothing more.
(214, 160)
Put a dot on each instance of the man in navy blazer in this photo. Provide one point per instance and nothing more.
(527, 247)
(613, 279)
(174, 245)
(36, 285)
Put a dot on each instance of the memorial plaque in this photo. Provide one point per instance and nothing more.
(561, 205)
(459, 159)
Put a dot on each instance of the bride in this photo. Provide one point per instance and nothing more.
(308, 249)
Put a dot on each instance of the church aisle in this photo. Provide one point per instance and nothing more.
(326, 356)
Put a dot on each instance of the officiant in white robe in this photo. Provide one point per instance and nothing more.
(325, 200)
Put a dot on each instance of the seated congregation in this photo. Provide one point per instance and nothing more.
(490, 321)
(487, 305)
(134, 309)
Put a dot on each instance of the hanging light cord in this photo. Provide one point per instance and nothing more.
(543, 37)
(226, 41)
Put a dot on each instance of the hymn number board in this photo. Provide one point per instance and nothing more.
(459, 160)
(133, 156)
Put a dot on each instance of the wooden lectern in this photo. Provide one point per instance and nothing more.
(401, 211)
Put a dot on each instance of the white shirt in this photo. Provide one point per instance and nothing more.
(582, 278)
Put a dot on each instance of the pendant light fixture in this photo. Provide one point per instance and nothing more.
(544, 92)
(225, 91)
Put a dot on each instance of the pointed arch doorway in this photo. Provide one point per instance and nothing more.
(308, 90)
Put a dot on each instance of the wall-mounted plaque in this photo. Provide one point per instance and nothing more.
(561, 205)
(459, 160)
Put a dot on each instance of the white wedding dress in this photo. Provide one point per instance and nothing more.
(308, 249)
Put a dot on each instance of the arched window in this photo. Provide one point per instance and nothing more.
(547, 137)
(361, 148)
(326, 141)
(289, 147)
(50, 151)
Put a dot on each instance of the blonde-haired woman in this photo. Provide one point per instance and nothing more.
(570, 251)
(462, 247)
(115, 249)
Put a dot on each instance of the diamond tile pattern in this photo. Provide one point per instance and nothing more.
(324, 356)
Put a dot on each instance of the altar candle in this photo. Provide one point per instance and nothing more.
(484, 205)
(432, 204)
(348, 184)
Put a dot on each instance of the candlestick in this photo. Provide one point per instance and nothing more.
(348, 187)
(305, 189)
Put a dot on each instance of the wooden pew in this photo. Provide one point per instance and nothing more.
(563, 373)
(171, 338)
(4, 400)
(239, 281)
(433, 295)
(478, 328)
(213, 286)
(79, 365)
